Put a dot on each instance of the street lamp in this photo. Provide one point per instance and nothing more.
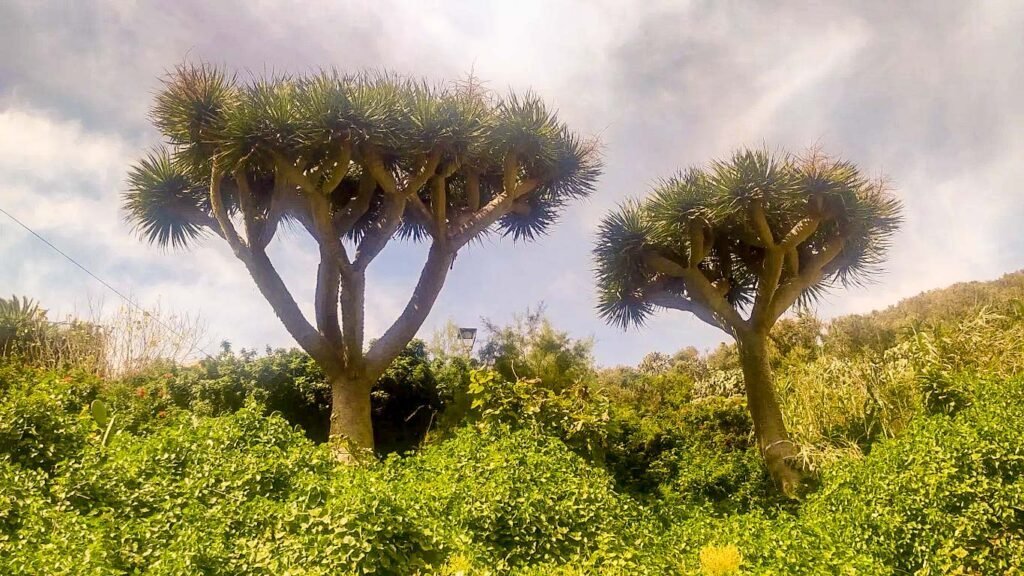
(468, 337)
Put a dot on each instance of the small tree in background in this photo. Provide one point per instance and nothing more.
(355, 160)
(737, 244)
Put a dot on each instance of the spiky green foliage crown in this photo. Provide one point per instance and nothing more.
(715, 207)
(208, 117)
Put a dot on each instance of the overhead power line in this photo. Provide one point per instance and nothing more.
(106, 284)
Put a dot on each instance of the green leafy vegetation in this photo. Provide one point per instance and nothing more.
(220, 467)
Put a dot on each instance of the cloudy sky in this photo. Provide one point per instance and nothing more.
(927, 93)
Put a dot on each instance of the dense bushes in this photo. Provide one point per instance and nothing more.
(405, 399)
(947, 497)
(246, 493)
(209, 469)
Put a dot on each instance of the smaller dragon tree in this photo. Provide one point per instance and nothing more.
(355, 160)
(737, 244)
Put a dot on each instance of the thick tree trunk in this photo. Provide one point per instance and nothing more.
(769, 427)
(351, 434)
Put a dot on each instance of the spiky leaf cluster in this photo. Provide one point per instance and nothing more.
(208, 118)
(719, 201)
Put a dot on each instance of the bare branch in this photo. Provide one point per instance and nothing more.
(793, 261)
(664, 265)
(767, 283)
(417, 204)
(800, 232)
(489, 214)
(332, 265)
(473, 190)
(276, 293)
(374, 163)
(394, 340)
(271, 286)
(439, 204)
(246, 200)
(292, 173)
(697, 252)
(700, 290)
(679, 302)
(328, 286)
(342, 162)
(347, 217)
(810, 274)
(353, 301)
(760, 222)
(376, 238)
(510, 173)
(228, 231)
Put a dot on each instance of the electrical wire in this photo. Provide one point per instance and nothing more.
(103, 282)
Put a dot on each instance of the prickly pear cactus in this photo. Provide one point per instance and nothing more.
(100, 413)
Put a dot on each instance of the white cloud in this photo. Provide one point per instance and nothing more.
(926, 93)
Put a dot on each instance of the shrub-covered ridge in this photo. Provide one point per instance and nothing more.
(245, 493)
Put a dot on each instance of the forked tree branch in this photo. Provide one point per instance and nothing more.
(375, 239)
(480, 220)
(394, 340)
(346, 218)
(811, 273)
(292, 173)
(342, 163)
(759, 220)
(274, 290)
(701, 291)
(271, 286)
(374, 163)
(228, 231)
(667, 299)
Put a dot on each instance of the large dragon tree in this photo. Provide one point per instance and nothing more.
(737, 244)
(356, 161)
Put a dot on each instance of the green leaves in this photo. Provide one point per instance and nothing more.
(733, 212)
(164, 203)
(621, 270)
(190, 110)
(208, 117)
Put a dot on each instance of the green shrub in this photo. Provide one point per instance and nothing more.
(237, 494)
(698, 453)
(517, 497)
(946, 497)
(41, 416)
(575, 413)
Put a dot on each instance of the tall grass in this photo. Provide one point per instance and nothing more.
(837, 404)
(119, 344)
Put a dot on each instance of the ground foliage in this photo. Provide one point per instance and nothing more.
(638, 470)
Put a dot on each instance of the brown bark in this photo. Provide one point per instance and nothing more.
(351, 433)
(769, 427)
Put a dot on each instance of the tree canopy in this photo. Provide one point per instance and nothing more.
(355, 160)
(355, 139)
(702, 240)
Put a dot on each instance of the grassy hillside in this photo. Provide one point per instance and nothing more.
(909, 420)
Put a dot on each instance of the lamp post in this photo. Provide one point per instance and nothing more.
(467, 336)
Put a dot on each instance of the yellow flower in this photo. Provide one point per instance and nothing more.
(720, 560)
